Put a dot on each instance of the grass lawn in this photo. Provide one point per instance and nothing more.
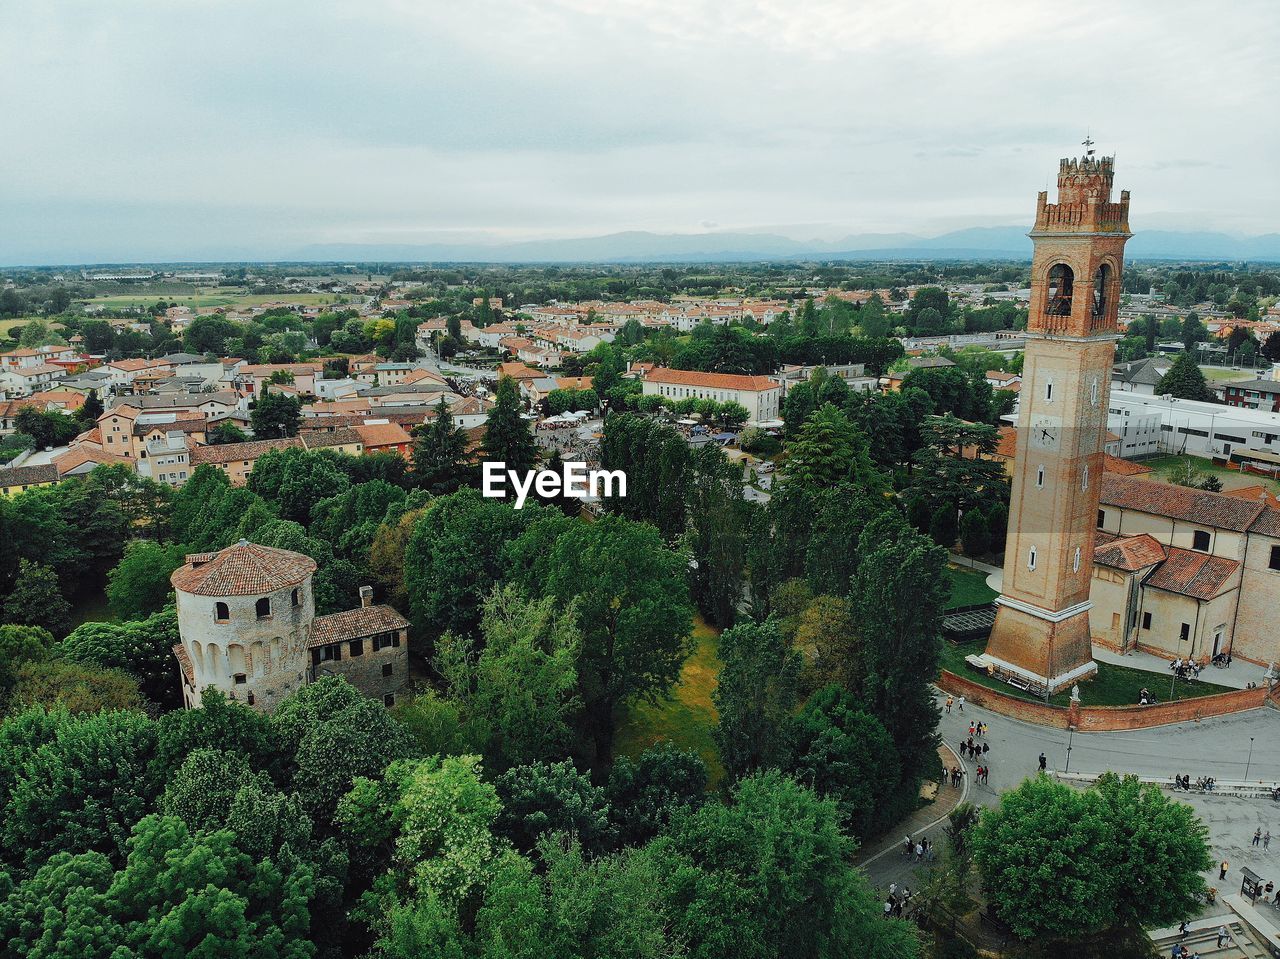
(968, 587)
(1226, 374)
(1231, 479)
(687, 715)
(7, 325)
(1113, 685)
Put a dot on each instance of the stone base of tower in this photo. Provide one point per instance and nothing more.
(1047, 649)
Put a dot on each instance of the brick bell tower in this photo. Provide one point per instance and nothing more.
(1041, 631)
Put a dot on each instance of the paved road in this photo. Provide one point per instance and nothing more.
(1218, 747)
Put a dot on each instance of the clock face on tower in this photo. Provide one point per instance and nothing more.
(1046, 431)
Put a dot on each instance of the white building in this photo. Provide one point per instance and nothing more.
(760, 395)
(1204, 429)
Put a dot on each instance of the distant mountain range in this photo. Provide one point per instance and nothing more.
(1000, 242)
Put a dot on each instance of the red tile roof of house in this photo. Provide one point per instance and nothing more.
(233, 452)
(1128, 552)
(1180, 502)
(714, 381)
(322, 439)
(1193, 574)
(242, 570)
(85, 453)
(374, 435)
(355, 624)
(184, 663)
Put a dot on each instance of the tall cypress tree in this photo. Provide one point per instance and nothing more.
(440, 462)
(507, 437)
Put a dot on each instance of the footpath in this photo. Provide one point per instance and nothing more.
(883, 861)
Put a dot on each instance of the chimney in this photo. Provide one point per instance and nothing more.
(366, 597)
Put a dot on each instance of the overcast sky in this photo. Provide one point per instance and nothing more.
(227, 128)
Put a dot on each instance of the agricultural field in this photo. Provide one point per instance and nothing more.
(217, 296)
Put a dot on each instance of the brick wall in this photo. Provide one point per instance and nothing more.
(1104, 718)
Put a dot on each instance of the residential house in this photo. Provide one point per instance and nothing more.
(19, 479)
(760, 395)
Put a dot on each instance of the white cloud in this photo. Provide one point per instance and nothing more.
(237, 123)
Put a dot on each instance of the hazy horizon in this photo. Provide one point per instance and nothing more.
(228, 130)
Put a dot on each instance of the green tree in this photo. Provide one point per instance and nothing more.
(275, 415)
(74, 687)
(755, 698)
(517, 690)
(47, 428)
(828, 450)
(845, 754)
(141, 648)
(944, 526)
(440, 460)
(646, 792)
(1059, 863)
(36, 600)
(1185, 381)
(898, 595)
(19, 645)
(632, 605)
(974, 534)
(771, 868)
(546, 797)
(226, 432)
(454, 557)
(84, 789)
(507, 436)
(139, 584)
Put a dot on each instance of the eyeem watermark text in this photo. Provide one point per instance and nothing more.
(574, 480)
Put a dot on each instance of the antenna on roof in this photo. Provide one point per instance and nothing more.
(1087, 143)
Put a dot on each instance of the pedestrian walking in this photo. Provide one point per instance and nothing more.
(1222, 871)
(1223, 936)
(960, 704)
(986, 748)
(1044, 762)
(1257, 837)
(1266, 840)
(973, 729)
(950, 700)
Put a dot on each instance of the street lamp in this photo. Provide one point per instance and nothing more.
(1071, 732)
(1248, 761)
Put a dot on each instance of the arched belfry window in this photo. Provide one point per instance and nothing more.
(1101, 280)
(1061, 283)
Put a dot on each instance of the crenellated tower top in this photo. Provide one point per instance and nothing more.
(1084, 200)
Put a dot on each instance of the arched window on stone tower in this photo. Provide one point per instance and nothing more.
(1058, 297)
(1101, 279)
(263, 607)
(220, 613)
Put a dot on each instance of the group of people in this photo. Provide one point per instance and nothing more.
(922, 849)
(897, 901)
(1145, 698)
(957, 776)
(1203, 783)
(1186, 668)
(1263, 840)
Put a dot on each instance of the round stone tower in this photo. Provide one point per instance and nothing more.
(244, 616)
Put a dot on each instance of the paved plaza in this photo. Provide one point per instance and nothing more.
(1218, 747)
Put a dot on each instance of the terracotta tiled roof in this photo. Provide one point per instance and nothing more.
(29, 475)
(344, 436)
(184, 663)
(1193, 574)
(573, 382)
(1257, 494)
(190, 425)
(382, 434)
(234, 452)
(242, 570)
(1124, 467)
(715, 381)
(354, 624)
(518, 371)
(79, 455)
(1267, 523)
(1180, 502)
(1128, 552)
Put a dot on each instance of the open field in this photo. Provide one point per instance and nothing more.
(687, 716)
(1231, 479)
(968, 588)
(1225, 374)
(7, 325)
(216, 296)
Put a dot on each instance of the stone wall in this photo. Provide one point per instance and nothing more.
(1104, 718)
